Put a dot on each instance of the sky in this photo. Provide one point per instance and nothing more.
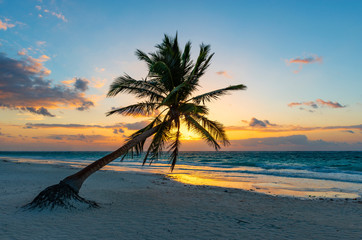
(300, 61)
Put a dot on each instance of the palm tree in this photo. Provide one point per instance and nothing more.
(167, 95)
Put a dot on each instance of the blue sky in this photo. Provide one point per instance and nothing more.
(299, 59)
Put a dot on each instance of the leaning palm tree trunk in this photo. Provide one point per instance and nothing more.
(65, 193)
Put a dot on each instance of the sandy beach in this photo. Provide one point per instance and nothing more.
(150, 206)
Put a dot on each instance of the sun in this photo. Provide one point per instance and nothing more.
(187, 134)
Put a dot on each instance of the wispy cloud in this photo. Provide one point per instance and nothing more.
(348, 131)
(306, 60)
(40, 111)
(316, 104)
(47, 11)
(4, 25)
(40, 43)
(136, 125)
(98, 69)
(23, 87)
(70, 125)
(78, 137)
(22, 52)
(119, 126)
(329, 104)
(97, 82)
(224, 73)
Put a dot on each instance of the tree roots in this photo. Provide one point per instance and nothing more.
(59, 195)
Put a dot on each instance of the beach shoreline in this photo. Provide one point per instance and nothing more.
(285, 184)
(138, 205)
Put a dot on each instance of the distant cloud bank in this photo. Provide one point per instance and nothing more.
(292, 143)
(265, 126)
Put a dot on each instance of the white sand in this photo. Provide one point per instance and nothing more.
(148, 206)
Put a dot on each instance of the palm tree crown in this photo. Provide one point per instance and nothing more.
(167, 94)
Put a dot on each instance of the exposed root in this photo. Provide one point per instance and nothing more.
(59, 195)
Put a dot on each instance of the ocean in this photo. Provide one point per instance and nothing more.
(293, 174)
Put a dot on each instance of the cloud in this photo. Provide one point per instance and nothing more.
(306, 60)
(292, 142)
(71, 125)
(40, 43)
(23, 52)
(316, 104)
(259, 123)
(224, 73)
(47, 11)
(81, 84)
(59, 15)
(40, 111)
(136, 125)
(130, 126)
(275, 141)
(85, 106)
(77, 137)
(348, 131)
(266, 126)
(116, 131)
(97, 83)
(4, 25)
(310, 104)
(330, 104)
(23, 87)
(97, 69)
(93, 82)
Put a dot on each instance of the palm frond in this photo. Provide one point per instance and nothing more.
(174, 148)
(192, 108)
(171, 97)
(193, 125)
(144, 57)
(160, 68)
(138, 149)
(140, 88)
(158, 142)
(186, 62)
(215, 128)
(208, 97)
(142, 108)
(202, 63)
